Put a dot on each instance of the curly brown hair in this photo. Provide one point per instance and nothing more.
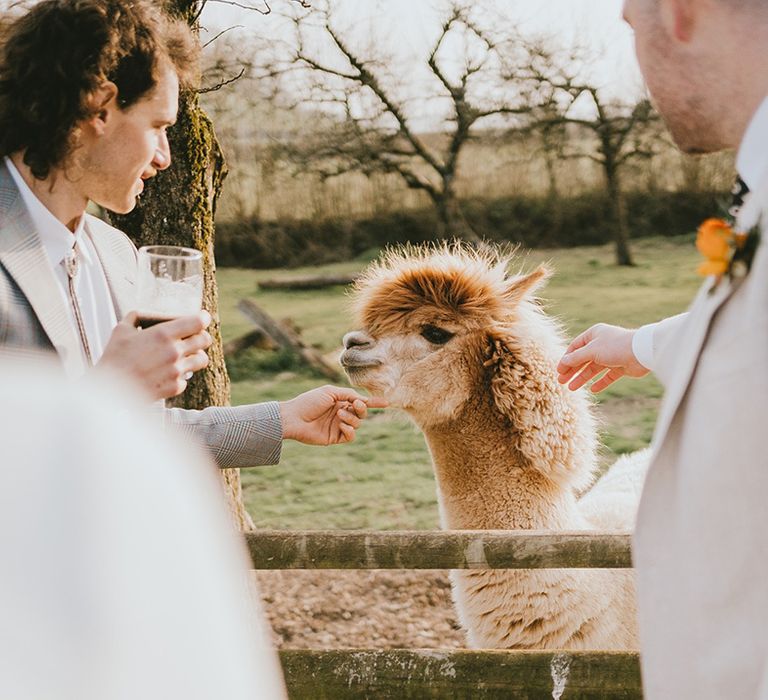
(59, 52)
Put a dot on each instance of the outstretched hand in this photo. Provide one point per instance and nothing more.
(328, 415)
(599, 349)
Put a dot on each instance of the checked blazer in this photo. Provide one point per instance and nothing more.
(34, 318)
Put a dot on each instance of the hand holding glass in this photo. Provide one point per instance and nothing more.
(169, 283)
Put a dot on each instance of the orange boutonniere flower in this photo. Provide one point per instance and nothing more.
(722, 247)
(715, 241)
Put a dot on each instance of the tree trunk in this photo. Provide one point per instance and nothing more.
(620, 218)
(550, 163)
(451, 221)
(177, 208)
(554, 201)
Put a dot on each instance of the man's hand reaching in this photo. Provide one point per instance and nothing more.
(328, 415)
(599, 349)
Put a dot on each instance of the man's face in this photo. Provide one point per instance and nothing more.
(677, 79)
(132, 148)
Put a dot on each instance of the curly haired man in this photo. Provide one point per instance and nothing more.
(88, 90)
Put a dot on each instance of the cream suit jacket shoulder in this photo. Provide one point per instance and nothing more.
(34, 318)
(701, 544)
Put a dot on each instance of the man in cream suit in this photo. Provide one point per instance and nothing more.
(155, 607)
(701, 544)
(88, 89)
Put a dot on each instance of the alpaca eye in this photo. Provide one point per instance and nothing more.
(435, 335)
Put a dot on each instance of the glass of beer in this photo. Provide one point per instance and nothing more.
(169, 283)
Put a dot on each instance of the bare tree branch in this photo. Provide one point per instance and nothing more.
(432, 60)
(221, 33)
(366, 78)
(379, 130)
(621, 131)
(261, 10)
(218, 86)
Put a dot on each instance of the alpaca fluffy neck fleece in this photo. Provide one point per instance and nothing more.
(483, 483)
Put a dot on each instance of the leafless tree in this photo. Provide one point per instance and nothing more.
(376, 125)
(621, 131)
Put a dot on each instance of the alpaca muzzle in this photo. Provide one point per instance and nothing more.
(354, 359)
(357, 352)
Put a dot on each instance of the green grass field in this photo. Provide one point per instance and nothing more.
(384, 479)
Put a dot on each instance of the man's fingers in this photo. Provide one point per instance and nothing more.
(199, 341)
(347, 431)
(576, 358)
(341, 393)
(173, 388)
(184, 327)
(581, 340)
(359, 409)
(589, 372)
(375, 402)
(348, 418)
(567, 375)
(344, 394)
(195, 362)
(607, 379)
(131, 319)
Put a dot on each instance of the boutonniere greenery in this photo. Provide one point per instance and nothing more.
(727, 252)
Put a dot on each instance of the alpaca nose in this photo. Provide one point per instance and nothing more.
(357, 339)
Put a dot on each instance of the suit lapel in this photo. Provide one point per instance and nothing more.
(112, 257)
(24, 258)
(702, 312)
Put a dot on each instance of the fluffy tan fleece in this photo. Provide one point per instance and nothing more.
(511, 447)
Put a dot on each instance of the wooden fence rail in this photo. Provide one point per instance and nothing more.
(466, 674)
(458, 674)
(452, 549)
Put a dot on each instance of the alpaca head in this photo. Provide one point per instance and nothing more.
(440, 326)
(430, 319)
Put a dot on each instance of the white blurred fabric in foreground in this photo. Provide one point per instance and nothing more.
(121, 575)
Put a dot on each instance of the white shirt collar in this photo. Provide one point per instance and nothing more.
(752, 158)
(56, 238)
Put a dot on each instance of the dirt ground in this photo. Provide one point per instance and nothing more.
(354, 609)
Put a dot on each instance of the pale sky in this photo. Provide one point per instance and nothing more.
(407, 29)
(412, 23)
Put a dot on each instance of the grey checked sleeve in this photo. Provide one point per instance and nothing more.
(236, 437)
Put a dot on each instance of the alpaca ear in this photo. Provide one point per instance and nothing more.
(525, 285)
(544, 419)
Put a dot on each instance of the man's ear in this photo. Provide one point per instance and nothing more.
(524, 285)
(679, 19)
(101, 104)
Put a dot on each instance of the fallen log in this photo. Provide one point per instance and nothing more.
(256, 338)
(308, 281)
(288, 339)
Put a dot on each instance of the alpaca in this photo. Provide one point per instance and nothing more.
(468, 353)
